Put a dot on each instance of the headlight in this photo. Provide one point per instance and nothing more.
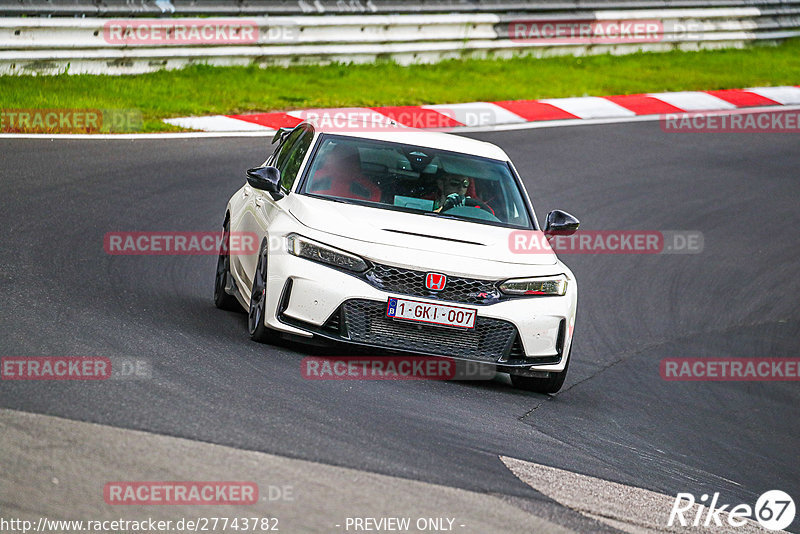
(314, 251)
(544, 285)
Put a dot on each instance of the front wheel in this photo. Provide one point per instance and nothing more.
(258, 303)
(551, 384)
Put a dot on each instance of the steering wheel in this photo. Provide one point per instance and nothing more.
(454, 200)
(474, 202)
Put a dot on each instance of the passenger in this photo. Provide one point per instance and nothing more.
(341, 176)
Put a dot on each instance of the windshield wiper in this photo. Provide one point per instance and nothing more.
(332, 199)
(453, 217)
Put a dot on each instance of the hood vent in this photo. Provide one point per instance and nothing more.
(435, 237)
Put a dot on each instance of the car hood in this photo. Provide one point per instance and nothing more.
(412, 231)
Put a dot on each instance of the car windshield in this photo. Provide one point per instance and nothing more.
(416, 179)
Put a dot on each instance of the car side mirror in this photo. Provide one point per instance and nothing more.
(267, 179)
(560, 223)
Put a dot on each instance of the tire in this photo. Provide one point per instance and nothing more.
(549, 385)
(258, 302)
(222, 300)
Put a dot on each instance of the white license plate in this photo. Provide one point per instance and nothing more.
(423, 312)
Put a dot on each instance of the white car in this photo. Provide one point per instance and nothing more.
(398, 239)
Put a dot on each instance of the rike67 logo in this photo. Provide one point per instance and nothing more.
(774, 510)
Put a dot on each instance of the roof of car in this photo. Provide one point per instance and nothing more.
(413, 136)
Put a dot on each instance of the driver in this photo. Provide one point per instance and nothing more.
(453, 191)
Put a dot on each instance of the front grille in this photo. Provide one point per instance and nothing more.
(366, 322)
(409, 282)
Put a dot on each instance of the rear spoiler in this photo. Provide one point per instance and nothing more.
(281, 134)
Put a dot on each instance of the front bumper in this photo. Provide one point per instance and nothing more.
(313, 299)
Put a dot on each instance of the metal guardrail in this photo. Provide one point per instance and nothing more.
(48, 45)
(128, 8)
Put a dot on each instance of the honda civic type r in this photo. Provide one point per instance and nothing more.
(399, 239)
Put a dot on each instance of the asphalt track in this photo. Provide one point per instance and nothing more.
(615, 419)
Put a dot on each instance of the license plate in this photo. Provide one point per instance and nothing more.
(424, 312)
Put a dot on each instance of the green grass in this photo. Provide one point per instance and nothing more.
(203, 90)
